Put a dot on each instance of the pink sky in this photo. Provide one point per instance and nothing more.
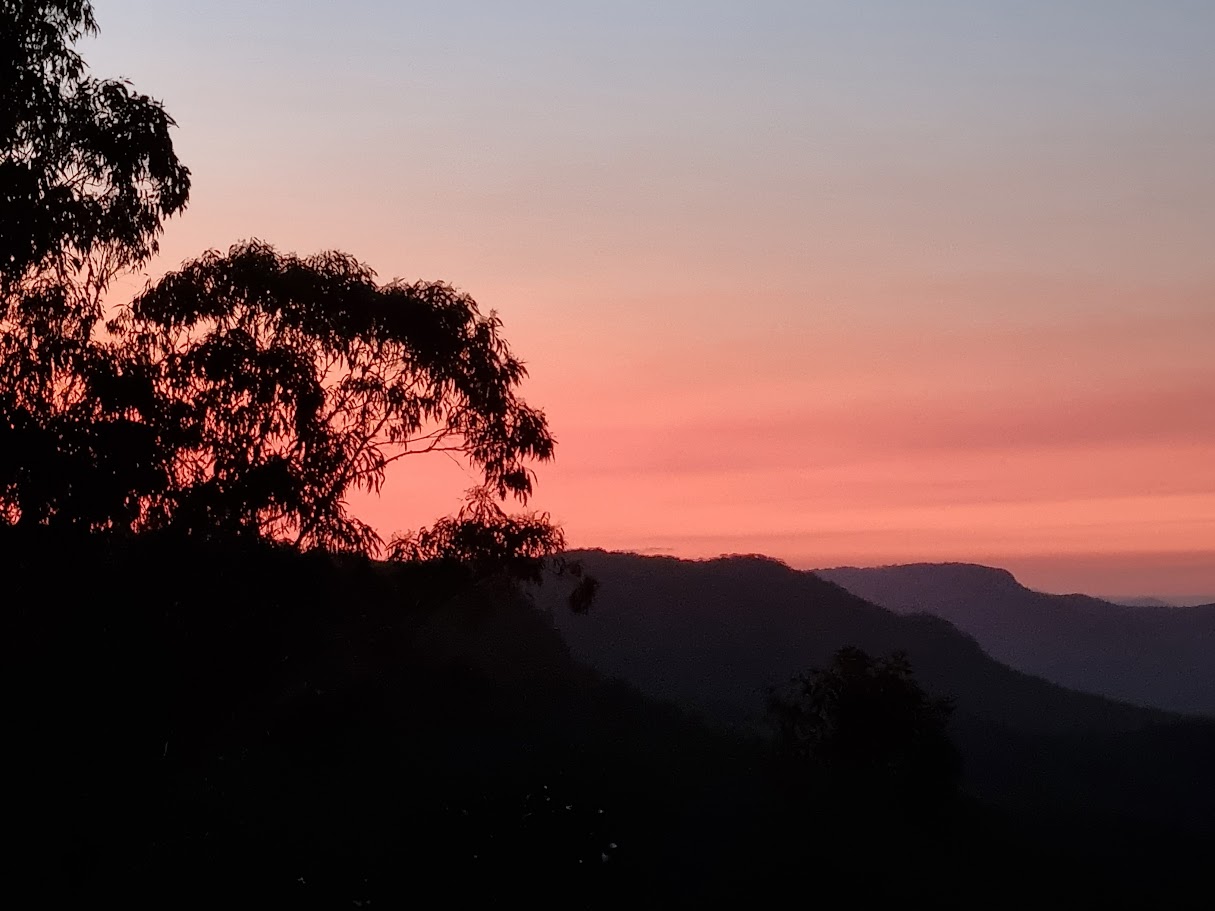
(833, 282)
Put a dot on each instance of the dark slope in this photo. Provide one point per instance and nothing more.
(713, 634)
(196, 725)
(191, 725)
(1163, 657)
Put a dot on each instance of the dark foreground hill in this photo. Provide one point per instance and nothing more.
(710, 635)
(192, 725)
(195, 725)
(1158, 656)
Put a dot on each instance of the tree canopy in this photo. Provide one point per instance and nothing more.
(88, 174)
(87, 167)
(865, 724)
(246, 393)
(292, 380)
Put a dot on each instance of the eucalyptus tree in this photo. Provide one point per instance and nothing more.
(88, 174)
(292, 381)
(247, 393)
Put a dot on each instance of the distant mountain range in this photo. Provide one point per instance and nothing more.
(1152, 601)
(1145, 654)
(712, 635)
(1144, 601)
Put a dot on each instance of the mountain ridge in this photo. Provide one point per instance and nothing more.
(767, 589)
(712, 635)
(1145, 655)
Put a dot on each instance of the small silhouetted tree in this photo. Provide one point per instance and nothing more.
(485, 541)
(863, 725)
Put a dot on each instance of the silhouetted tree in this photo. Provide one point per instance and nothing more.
(246, 394)
(87, 176)
(87, 168)
(487, 541)
(865, 725)
(291, 380)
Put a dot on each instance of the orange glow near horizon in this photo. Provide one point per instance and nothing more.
(840, 287)
(1075, 450)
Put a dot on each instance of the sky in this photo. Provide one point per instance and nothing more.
(853, 282)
